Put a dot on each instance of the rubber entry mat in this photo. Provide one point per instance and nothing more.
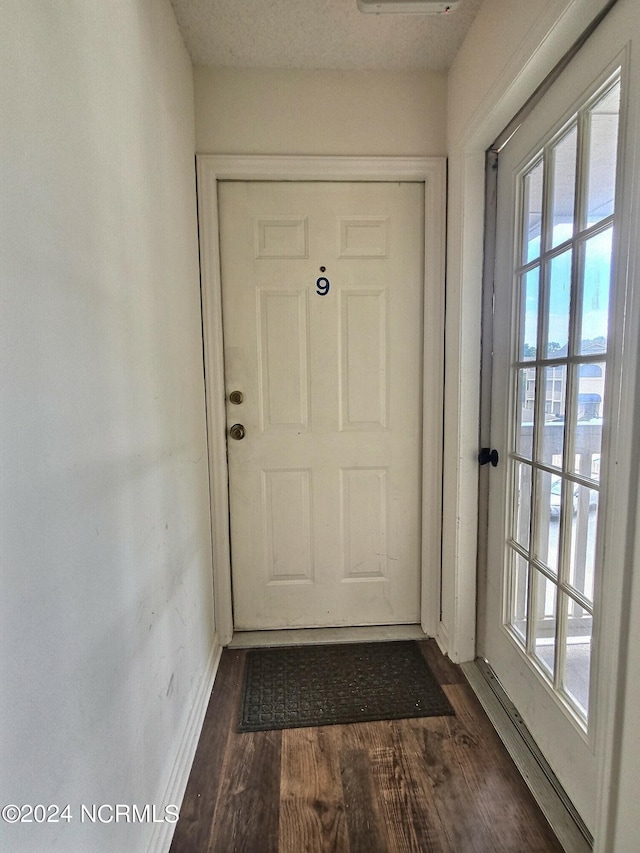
(299, 686)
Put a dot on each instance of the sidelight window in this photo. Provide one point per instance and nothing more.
(563, 275)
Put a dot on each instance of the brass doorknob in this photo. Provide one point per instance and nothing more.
(236, 431)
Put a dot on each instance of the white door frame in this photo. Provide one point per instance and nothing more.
(431, 171)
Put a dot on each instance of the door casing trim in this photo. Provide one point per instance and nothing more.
(428, 170)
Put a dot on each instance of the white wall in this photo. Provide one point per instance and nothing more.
(320, 112)
(106, 623)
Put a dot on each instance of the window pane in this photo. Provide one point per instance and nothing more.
(545, 619)
(595, 293)
(563, 193)
(552, 439)
(559, 305)
(563, 284)
(532, 213)
(522, 504)
(525, 407)
(602, 157)
(577, 664)
(547, 519)
(529, 314)
(583, 539)
(519, 595)
(587, 430)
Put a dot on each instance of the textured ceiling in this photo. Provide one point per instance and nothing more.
(318, 34)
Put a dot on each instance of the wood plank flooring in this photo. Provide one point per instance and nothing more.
(441, 784)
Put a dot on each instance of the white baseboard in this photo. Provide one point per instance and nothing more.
(443, 639)
(162, 834)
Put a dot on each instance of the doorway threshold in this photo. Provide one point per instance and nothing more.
(534, 769)
(317, 636)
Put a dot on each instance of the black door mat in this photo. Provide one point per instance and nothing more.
(293, 687)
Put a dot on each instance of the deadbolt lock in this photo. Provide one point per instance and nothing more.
(236, 397)
(236, 432)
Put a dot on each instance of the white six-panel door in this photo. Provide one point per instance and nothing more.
(322, 313)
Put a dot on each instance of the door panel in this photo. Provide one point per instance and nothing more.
(553, 398)
(322, 313)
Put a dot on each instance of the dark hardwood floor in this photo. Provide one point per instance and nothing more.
(406, 786)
